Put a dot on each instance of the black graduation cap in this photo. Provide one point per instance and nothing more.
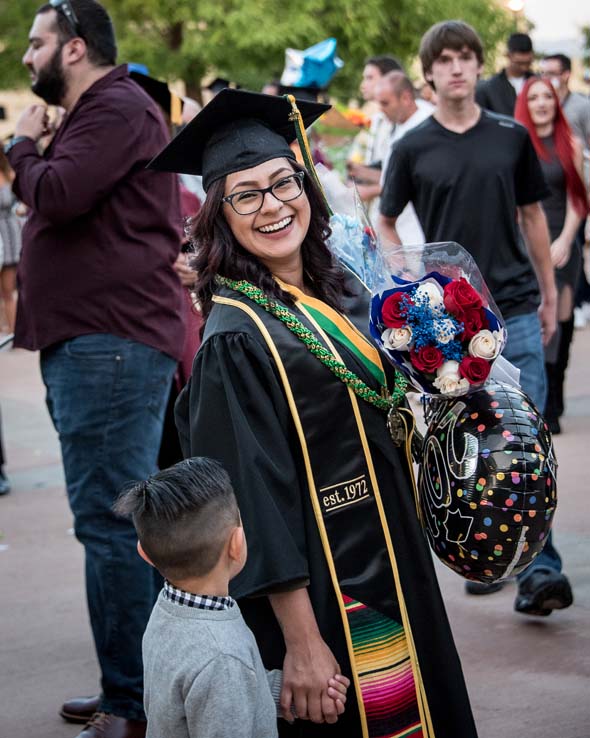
(301, 93)
(170, 103)
(236, 130)
(218, 84)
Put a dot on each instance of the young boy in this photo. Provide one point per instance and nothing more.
(203, 675)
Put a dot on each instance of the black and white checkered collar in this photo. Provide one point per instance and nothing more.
(203, 602)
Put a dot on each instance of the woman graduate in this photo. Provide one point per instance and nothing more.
(289, 394)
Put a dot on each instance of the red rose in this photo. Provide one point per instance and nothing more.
(427, 359)
(459, 298)
(473, 322)
(474, 369)
(394, 310)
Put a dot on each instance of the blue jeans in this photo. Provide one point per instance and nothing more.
(525, 350)
(106, 396)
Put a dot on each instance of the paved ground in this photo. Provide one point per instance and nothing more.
(528, 678)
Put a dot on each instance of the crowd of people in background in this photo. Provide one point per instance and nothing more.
(105, 295)
(10, 247)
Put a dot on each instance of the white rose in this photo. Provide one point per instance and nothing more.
(397, 338)
(448, 369)
(451, 385)
(484, 345)
(430, 293)
(448, 380)
(445, 330)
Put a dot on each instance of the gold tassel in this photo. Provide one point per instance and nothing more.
(295, 117)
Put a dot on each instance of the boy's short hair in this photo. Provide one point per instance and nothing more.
(182, 516)
(520, 43)
(385, 63)
(452, 34)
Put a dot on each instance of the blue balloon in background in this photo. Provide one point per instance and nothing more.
(312, 67)
(136, 67)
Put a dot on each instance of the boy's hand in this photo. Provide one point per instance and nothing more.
(305, 682)
(337, 687)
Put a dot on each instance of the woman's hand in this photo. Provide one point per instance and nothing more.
(560, 252)
(311, 675)
(308, 675)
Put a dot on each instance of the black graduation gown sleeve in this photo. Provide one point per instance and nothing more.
(234, 410)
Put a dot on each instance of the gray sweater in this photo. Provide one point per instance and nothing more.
(576, 109)
(204, 677)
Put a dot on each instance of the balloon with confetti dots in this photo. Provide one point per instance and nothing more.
(487, 482)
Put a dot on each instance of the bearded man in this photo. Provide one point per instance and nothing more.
(101, 302)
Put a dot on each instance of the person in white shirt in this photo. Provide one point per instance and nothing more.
(397, 98)
(369, 146)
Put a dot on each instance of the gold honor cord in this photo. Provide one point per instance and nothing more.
(295, 117)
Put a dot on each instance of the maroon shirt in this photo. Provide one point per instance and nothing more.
(103, 232)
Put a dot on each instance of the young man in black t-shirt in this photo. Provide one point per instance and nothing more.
(473, 177)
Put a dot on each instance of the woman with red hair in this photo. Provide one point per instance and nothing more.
(560, 154)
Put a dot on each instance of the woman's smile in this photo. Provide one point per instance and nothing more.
(273, 229)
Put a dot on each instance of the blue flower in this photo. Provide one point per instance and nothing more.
(431, 326)
(452, 351)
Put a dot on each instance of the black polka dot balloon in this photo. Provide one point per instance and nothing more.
(487, 482)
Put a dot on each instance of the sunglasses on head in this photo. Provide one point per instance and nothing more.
(65, 7)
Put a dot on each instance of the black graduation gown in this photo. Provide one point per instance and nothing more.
(235, 410)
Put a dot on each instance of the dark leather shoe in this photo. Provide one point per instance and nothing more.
(543, 591)
(483, 588)
(104, 725)
(79, 709)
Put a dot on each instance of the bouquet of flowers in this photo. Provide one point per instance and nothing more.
(437, 323)
(431, 311)
(352, 239)
(354, 243)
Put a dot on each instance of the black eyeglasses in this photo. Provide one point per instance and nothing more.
(250, 201)
(69, 14)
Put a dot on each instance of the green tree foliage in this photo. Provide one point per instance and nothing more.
(245, 39)
(16, 18)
